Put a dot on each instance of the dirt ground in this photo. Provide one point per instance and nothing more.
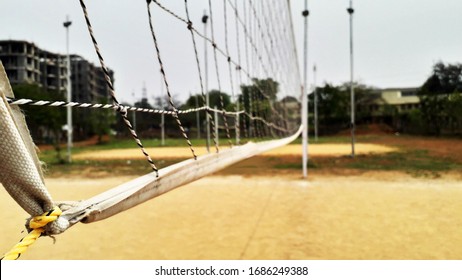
(185, 152)
(375, 215)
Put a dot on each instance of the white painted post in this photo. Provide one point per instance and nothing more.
(198, 120)
(350, 10)
(207, 117)
(216, 125)
(305, 94)
(66, 24)
(315, 105)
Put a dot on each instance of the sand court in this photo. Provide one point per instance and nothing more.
(382, 215)
(184, 152)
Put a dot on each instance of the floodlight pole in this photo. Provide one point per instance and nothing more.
(216, 125)
(305, 14)
(198, 120)
(206, 70)
(237, 123)
(66, 24)
(134, 112)
(350, 11)
(162, 116)
(315, 104)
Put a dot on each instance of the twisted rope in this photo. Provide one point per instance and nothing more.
(170, 99)
(25, 101)
(120, 109)
(37, 224)
(217, 71)
(223, 53)
(229, 68)
(204, 100)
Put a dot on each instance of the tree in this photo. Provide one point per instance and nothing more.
(45, 123)
(214, 99)
(102, 120)
(258, 99)
(196, 100)
(334, 106)
(446, 79)
(440, 99)
(144, 121)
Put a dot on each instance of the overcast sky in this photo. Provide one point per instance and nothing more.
(396, 41)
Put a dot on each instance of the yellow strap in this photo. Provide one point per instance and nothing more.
(37, 224)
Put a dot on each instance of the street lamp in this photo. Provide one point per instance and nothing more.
(305, 94)
(205, 17)
(350, 11)
(66, 24)
(315, 92)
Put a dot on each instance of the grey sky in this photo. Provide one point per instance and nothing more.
(396, 41)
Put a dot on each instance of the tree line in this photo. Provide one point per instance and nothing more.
(439, 111)
(47, 124)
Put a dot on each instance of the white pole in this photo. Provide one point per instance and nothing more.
(238, 138)
(162, 116)
(207, 120)
(66, 24)
(162, 131)
(315, 104)
(305, 94)
(198, 120)
(216, 125)
(133, 112)
(238, 107)
(350, 10)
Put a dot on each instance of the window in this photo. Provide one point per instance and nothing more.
(409, 93)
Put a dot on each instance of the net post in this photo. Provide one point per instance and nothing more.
(216, 124)
(305, 94)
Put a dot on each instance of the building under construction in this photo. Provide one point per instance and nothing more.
(26, 63)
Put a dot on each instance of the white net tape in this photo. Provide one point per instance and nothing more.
(21, 174)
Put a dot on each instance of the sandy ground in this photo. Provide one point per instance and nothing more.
(232, 217)
(378, 215)
(184, 152)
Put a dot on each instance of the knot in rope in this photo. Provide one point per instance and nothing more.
(37, 225)
(121, 109)
(190, 24)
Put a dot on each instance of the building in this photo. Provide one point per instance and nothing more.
(53, 71)
(88, 82)
(25, 63)
(88, 86)
(384, 102)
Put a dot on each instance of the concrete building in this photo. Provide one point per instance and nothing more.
(88, 82)
(383, 102)
(25, 63)
(53, 71)
(88, 86)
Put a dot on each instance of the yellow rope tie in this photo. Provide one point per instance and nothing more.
(37, 224)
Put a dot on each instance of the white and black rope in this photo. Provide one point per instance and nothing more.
(204, 98)
(167, 87)
(217, 71)
(120, 109)
(25, 101)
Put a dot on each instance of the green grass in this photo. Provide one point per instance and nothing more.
(295, 165)
(416, 162)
